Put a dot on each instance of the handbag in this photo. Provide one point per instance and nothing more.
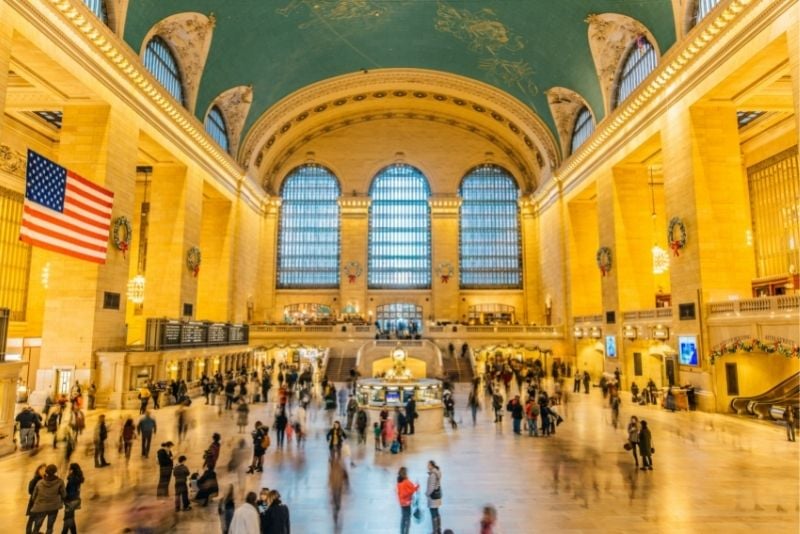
(436, 494)
(627, 446)
(652, 450)
(71, 506)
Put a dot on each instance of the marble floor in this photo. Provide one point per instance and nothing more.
(713, 473)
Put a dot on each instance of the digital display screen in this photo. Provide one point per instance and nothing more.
(687, 350)
(611, 346)
(392, 396)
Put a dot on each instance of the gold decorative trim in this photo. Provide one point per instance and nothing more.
(12, 161)
(564, 106)
(127, 63)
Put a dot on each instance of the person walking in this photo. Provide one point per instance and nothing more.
(633, 438)
(277, 515)
(474, 405)
(342, 401)
(645, 446)
(352, 408)
(48, 498)
(788, 418)
(488, 520)
(211, 455)
(127, 436)
(226, 509)
(405, 495)
(72, 501)
(411, 415)
(433, 491)
(281, 421)
(181, 474)
(246, 519)
(586, 380)
(338, 482)
(146, 428)
(242, 412)
(362, 421)
(100, 437)
(37, 476)
(261, 442)
(515, 407)
(165, 464)
(144, 398)
(336, 437)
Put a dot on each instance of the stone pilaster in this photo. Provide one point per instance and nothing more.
(216, 243)
(354, 216)
(268, 262)
(444, 256)
(6, 32)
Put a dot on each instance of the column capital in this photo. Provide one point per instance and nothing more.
(444, 205)
(355, 205)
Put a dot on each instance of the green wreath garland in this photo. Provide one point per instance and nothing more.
(676, 244)
(603, 259)
(193, 260)
(123, 244)
(749, 345)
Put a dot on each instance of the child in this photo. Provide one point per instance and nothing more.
(376, 431)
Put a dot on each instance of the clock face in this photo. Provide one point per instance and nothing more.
(399, 355)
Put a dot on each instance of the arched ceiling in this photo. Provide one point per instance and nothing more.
(522, 47)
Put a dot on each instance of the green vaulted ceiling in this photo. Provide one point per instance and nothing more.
(523, 47)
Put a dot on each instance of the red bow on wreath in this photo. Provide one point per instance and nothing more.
(123, 247)
(445, 278)
(196, 270)
(676, 247)
(603, 270)
(351, 278)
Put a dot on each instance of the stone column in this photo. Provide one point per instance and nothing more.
(246, 257)
(354, 217)
(535, 311)
(176, 201)
(6, 33)
(97, 143)
(606, 225)
(444, 256)
(268, 264)
(216, 243)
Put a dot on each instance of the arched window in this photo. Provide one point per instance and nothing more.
(215, 126)
(584, 127)
(489, 230)
(161, 63)
(701, 9)
(399, 230)
(98, 7)
(639, 63)
(308, 241)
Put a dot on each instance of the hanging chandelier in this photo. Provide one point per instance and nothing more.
(136, 289)
(660, 260)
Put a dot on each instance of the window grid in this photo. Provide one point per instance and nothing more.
(98, 7)
(639, 63)
(584, 128)
(743, 118)
(489, 239)
(53, 117)
(15, 256)
(703, 8)
(161, 63)
(308, 248)
(399, 316)
(215, 126)
(399, 230)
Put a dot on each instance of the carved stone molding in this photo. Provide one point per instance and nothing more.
(12, 161)
(117, 12)
(610, 36)
(399, 83)
(234, 105)
(189, 37)
(564, 106)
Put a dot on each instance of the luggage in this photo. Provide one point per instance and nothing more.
(395, 447)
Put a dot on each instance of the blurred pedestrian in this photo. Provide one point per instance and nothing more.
(181, 474)
(37, 476)
(338, 482)
(246, 519)
(405, 495)
(433, 491)
(72, 501)
(48, 498)
(165, 465)
(488, 520)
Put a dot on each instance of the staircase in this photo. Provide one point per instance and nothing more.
(456, 369)
(339, 368)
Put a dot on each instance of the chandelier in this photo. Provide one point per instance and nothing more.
(136, 289)
(660, 260)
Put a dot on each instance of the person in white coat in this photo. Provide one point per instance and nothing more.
(433, 492)
(245, 518)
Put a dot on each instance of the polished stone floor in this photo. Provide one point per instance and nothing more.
(713, 473)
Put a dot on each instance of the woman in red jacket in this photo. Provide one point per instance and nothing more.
(405, 494)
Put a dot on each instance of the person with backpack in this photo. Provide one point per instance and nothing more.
(261, 443)
(362, 420)
(532, 414)
(515, 407)
(336, 437)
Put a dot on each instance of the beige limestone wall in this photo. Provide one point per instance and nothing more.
(552, 266)
(216, 243)
(584, 278)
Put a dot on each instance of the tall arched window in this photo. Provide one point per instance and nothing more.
(584, 127)
(701, 9)
(215, 126)
(161, 62)
(639, 63)
(489, 230)
(308, 241)
(399, 229)
(98, 7)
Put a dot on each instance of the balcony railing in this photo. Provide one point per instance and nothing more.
(450, 330)
(758, 306)
(578, 319)
(645, 315)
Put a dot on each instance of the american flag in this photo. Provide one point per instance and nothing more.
(64, 212)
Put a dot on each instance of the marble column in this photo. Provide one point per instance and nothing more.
(444, 257)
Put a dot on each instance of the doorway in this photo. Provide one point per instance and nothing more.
(63, 381)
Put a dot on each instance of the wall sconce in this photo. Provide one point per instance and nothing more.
(173, 367)
(660, 332)
(630, 332)
(596, 332)
(216, 360)
(136, 289)
(578, 332)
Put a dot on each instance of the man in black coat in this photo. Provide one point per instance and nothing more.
(100, 437)
(411, 414)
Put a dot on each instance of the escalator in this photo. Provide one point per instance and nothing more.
(785, 393)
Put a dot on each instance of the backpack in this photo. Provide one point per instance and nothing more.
(395, 448)
(265, 442)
